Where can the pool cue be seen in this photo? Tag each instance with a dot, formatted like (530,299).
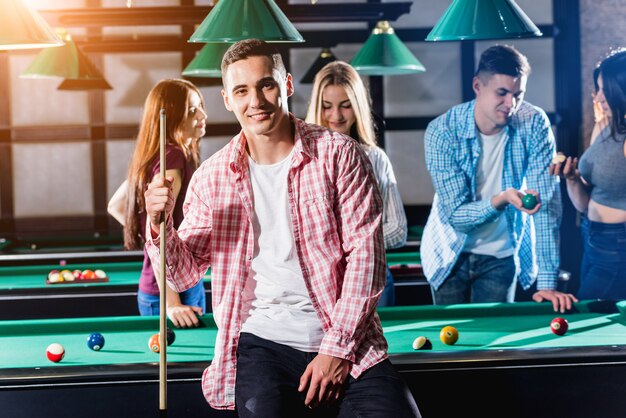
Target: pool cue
(163,287)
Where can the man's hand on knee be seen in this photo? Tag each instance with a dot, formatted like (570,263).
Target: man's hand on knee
(325,376)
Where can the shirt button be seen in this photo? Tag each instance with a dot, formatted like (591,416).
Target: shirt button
(249,258)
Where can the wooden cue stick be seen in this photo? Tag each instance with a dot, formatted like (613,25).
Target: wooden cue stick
(163,285)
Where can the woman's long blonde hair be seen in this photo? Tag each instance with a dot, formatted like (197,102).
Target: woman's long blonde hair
(173,96)
(339,73)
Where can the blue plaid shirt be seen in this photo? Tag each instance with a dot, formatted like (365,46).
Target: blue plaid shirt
(452,151)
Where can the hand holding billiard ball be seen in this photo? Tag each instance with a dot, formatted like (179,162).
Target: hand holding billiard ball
(559,326)
(529,201)
(95,341)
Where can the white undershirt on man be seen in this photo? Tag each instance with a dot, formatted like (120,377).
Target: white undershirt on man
(492,238)
(276,303)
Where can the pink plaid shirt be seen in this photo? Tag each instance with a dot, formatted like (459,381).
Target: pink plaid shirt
(336,211)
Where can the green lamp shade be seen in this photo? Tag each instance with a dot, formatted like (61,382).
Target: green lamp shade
(66,62)
(483,19)
(208,62)
(78,85)
(384,54)
(325,57)
(235,20)
(22,27)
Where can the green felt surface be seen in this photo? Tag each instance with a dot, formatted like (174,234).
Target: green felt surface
(409,258)
(480,326)
(30,277)
(126,341)
(119,273)
(500,326)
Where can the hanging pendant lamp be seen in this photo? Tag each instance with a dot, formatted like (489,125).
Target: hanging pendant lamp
(21,27)
(483,19)
(208,62)
(66,62)
(325,57)
(235,20)
(384,54)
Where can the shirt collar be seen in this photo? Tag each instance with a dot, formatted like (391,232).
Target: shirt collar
(469,129)
(238,160)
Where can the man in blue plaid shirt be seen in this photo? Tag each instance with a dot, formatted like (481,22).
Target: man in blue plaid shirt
(481,155)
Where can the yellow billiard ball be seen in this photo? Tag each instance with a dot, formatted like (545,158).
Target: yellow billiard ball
(449,335)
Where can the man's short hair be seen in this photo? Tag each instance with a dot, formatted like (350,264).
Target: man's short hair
(503,59)
(252,48)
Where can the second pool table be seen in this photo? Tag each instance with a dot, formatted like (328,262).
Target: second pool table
(24,293)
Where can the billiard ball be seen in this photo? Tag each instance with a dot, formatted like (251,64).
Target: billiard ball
(449,335)
(67,275)
(55,352)
(154,343)
(171,337)
(88,274)
(77,274)
(54,276)
(422,343)
(95,341)
(529,201)
(100,274)
(559,326)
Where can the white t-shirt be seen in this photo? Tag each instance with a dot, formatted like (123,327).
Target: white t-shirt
(276,303)
(492,238)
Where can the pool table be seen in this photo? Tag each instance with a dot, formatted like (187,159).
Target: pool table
(507,363)
(24,293)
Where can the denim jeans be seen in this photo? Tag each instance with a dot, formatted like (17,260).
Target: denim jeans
(149,305)
(478,278)
(603,270)
(388,297)
(268,375)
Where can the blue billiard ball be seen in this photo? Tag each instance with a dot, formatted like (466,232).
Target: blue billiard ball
(95,341)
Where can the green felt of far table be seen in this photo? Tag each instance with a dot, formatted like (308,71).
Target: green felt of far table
(24,293)
(32,277)
(119,273)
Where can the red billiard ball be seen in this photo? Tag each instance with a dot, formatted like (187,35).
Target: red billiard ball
(55,352)
(559,326)
(154,343)
(449,335)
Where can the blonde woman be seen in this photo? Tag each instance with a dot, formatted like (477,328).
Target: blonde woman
(340,102)
(184,109)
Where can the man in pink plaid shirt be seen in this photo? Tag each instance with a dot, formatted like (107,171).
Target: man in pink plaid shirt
(289,218)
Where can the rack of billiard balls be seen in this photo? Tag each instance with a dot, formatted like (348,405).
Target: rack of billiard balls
(67,276)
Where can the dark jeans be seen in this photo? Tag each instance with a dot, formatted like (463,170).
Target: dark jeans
(478,278)
(149,305)
(268,375)
(388,297)
(603,270)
